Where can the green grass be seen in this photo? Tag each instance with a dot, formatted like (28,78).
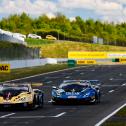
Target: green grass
(11,51)
(115,124)
(120,119)
(60,49)
(31,41)
(122,112)
(24,72)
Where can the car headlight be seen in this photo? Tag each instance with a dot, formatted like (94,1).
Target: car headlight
(59,92)
(23,98)
(87,94)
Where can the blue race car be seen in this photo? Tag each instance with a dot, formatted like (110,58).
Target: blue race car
(75,91)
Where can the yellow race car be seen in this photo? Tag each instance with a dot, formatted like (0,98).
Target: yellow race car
(22,95)
(50,37)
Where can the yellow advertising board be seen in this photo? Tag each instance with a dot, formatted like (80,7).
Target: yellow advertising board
(95,55)
(86,62)
(81,55)
(4,68)
(123,60)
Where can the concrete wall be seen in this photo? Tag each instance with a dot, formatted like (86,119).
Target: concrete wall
(40,62)
(29,63)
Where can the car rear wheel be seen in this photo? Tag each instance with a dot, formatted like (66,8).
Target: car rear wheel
(41,102)
(54,102)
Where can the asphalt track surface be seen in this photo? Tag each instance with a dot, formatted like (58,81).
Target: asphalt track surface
(113,90)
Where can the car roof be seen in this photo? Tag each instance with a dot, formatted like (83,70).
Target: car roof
(75,83)
(81,81)
(94,81)
(49,35)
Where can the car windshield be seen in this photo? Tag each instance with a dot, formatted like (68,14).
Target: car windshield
(13,90)
(75,87)
(76,81)
(94,82)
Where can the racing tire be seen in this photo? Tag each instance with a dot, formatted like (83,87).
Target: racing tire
(41,102)
(97,99)
(33,105)
(54,102)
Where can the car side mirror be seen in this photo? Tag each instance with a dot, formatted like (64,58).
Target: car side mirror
(54,87)
(37,90)
(97,88)
(99,84)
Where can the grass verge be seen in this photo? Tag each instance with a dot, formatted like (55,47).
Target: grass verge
(24,72)
(60,49)
(118,119)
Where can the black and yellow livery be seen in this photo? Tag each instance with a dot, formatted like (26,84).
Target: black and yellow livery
(20,95)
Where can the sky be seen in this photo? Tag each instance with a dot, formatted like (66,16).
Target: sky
(104,10)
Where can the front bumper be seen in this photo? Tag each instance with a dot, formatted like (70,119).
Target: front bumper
(73,100)
(16,105)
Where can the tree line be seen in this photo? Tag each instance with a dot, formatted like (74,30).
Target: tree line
(64,29)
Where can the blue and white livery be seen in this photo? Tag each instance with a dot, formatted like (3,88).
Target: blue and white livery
(75,91)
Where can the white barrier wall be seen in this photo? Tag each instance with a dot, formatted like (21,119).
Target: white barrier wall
(51,61)
(12,37)
(29,63)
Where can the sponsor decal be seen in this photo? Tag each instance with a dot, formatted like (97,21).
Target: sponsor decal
(86,61)
(80,55)
(4,68)
(123,60)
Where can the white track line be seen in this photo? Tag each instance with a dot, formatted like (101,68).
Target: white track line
(59,115)
(93,70)
(52,77)
(68,77)
(81,73)
(4,116)
(46,73)
(116,79)
(33,117)
(111,91)
(110,115)
(123,84)
(48,82)
(26,117)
